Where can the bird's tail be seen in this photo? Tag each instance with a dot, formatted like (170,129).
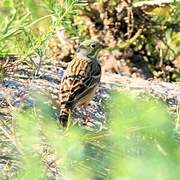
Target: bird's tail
(63,116)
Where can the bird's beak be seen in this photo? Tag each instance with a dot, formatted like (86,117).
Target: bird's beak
(78,50)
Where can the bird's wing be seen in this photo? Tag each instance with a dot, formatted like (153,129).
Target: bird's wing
(81,75)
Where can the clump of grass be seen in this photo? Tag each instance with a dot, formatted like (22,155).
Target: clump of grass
(138,144)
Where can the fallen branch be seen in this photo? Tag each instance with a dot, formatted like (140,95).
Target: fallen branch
(168,92)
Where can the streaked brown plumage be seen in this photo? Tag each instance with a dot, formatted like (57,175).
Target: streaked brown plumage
(80,79)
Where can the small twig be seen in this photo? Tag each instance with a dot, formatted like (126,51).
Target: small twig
(130,41)
(178,117)
(130,16)
(38,20)
(40,62)
(154,3)
(161,57)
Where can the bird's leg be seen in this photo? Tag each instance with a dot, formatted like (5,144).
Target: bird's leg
(90,124)
(87,121)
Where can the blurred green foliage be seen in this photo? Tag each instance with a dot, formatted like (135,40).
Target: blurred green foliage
(138,144)
(142,133)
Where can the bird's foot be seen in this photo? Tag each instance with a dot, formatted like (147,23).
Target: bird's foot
(91,125)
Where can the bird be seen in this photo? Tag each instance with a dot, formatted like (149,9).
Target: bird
(80,79)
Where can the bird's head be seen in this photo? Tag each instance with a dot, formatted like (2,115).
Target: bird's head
(90,48)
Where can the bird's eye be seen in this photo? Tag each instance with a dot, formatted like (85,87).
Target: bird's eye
(93,45)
